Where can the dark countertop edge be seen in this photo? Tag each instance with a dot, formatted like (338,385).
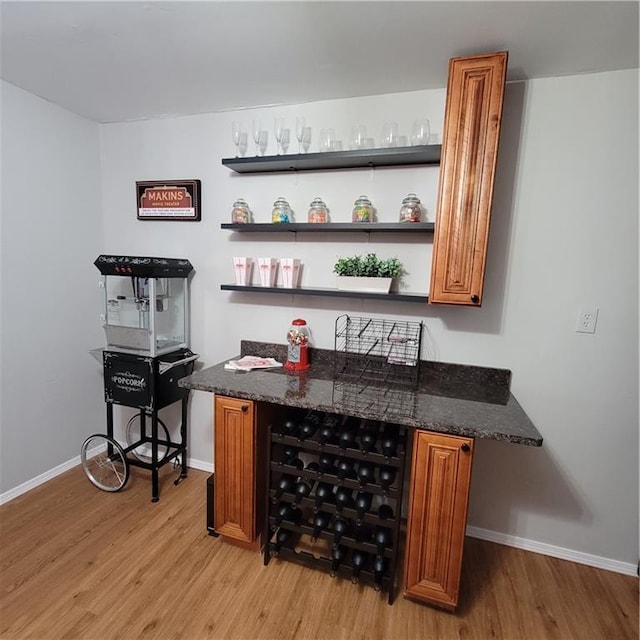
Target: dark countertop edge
(424,425)
(447,429)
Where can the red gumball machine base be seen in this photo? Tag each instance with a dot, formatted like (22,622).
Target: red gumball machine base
(298,351)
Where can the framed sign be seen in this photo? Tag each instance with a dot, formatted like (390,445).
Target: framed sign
(168,200)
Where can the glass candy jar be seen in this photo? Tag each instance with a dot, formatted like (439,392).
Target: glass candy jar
(362,210)
(410,211)
(318,211)
(281,211)
(240,214)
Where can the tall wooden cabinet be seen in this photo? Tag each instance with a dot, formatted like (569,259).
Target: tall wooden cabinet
(438,499)
(473,114)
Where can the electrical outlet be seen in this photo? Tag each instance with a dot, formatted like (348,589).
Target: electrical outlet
(586,320)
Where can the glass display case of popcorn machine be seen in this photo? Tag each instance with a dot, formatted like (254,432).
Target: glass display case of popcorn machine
(146,308)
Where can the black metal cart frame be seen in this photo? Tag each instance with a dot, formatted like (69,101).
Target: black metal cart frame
(149,384)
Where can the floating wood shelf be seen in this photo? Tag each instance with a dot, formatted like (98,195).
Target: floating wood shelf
(329,293)
(354,159)
(351,227)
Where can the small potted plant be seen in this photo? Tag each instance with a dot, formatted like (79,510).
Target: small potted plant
(368,273)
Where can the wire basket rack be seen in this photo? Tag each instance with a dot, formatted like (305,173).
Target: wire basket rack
(380,351)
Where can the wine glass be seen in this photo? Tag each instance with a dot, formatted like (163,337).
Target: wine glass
(256,128)
(300,127)
(284,140)
(421,132)
(263,141)
(306,138)
(236,135)
(278,128)
(243,143)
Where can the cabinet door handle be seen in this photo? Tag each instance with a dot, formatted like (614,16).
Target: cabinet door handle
(475,299)
(465,447)
(244,408)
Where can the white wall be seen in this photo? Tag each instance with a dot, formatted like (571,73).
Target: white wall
(564,233)
(51,390)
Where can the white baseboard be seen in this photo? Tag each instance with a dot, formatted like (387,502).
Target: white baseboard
(65,466)
(525,544)
(545,549)
(199,465)
(38,480)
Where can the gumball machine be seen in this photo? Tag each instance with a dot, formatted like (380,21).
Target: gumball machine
(298,337)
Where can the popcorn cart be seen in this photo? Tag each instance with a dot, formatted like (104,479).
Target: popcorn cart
(146,324)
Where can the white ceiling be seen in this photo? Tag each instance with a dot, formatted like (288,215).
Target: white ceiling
(117,61)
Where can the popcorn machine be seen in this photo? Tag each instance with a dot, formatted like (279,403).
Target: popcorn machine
(146,324)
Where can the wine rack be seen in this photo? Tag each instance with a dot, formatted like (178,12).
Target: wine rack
(334,496)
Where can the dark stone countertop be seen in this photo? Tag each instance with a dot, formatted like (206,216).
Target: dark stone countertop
(450,398)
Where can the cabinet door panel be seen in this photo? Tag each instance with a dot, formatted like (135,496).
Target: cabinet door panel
(439,490)
(469,152)
(235,476)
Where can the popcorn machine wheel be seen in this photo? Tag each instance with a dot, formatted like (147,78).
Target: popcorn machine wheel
(146,324)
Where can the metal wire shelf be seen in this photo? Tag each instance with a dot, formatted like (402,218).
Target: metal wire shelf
(379,351)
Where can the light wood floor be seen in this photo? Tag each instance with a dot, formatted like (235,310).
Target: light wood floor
(76,562)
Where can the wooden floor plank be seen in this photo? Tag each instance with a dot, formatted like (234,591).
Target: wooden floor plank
(76,562)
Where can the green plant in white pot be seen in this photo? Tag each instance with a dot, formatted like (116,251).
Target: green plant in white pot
(368,273)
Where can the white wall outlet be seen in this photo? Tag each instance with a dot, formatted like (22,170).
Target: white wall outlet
(586,320)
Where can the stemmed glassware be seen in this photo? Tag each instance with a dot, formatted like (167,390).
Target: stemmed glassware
(256,128)
(300,127)
(278,129)
(236,135)
(421,132)
(284,141)
(260,137)
(263,141)
(306,138)
(281,135)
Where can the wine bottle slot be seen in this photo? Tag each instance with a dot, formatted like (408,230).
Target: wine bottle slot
(306,430)
(302,489)
(379,570)
(323,493)
(337,556)
(363,504)
(340,528)
(358,562)
(365,473)
(327,463)
(386,477)
(320,523)
(282,538)
(286,484)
